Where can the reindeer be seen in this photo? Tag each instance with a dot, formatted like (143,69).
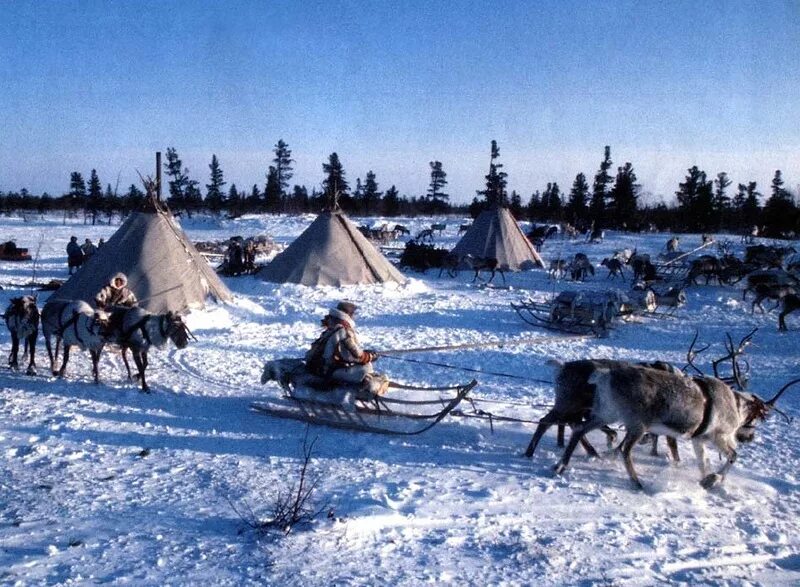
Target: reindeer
(479,264)
(764,291)
(74,323)
(440,228)
(614,267)
(703,409)
(137,329)
(643,269)
(581,267)
(771,278)
(464,228)
(401,230)
(673,244)
(791,303)
(424,235)
(706,265)
(22,319)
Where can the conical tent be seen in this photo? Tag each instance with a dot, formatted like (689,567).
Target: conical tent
(331,251)
(496,235)
(163,267)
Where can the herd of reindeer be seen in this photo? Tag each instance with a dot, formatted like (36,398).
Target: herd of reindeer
(649,399)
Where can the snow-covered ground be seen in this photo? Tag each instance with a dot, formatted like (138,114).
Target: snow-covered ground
(104,484)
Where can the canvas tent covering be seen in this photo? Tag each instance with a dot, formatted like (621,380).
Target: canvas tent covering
(164,269)
(331,251)
(496,235)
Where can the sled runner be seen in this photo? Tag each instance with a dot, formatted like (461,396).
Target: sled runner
(311,399)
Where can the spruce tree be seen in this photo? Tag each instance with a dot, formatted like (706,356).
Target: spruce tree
(437,199)
(779,213)
(391,202)
(600,189)
(722,202)
(272,192)
(625,196)
(495,192)
(371,197)
(94,204)
(576,208)
(283,165)
(515,205)
(178,182)
(335,185)
(214,194)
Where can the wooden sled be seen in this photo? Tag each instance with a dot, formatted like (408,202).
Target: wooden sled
(573,312)
(11,252)
(311,399)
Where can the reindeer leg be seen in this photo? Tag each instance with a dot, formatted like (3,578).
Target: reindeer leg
(95,360)
(63,369)
(700,453)
(560,439)
(654,446)
(590,450)
(631,438)
(503,275)
(32,363)
(549,419)
(673,448)
(140,365)
(577,433)
(12,358)
(124,354)
(726,447)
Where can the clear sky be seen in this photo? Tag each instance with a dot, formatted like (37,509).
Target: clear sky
(392,85)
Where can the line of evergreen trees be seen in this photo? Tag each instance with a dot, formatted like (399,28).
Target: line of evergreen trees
(611,201)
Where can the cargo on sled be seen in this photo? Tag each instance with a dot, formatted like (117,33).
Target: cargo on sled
(376,408)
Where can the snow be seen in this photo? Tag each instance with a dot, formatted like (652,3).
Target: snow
(104,484)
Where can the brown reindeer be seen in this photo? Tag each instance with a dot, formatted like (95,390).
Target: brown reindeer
(22,319)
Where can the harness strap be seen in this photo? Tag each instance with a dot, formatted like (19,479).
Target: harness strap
(709,404)
(62,326)
(140,325)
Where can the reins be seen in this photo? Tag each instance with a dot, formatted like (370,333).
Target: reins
(468,369)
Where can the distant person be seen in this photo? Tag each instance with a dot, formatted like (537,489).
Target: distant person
(88,249)
(101,242)
(74,254)
(116,293)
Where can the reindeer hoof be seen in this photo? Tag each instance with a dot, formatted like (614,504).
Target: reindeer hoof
(559,468)
(710,481)
(31,371)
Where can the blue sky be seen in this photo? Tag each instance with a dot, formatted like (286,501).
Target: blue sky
(391,86)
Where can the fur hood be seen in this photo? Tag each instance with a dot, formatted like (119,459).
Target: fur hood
(121,276)
(342,317)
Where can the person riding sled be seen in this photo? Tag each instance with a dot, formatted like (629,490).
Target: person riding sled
(337,356)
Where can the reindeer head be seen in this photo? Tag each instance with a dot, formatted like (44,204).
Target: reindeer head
(176,329)
(753,409)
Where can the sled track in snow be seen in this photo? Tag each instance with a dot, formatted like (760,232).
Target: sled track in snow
(185,362)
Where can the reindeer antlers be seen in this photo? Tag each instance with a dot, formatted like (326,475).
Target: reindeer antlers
(733,354)
(691,354)
(739,373)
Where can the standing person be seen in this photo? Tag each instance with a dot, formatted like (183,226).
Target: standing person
(101,242)
(74,254)
(116,293)
(88,249)
(337,355)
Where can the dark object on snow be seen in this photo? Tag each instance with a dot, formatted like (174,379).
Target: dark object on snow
(9,251)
